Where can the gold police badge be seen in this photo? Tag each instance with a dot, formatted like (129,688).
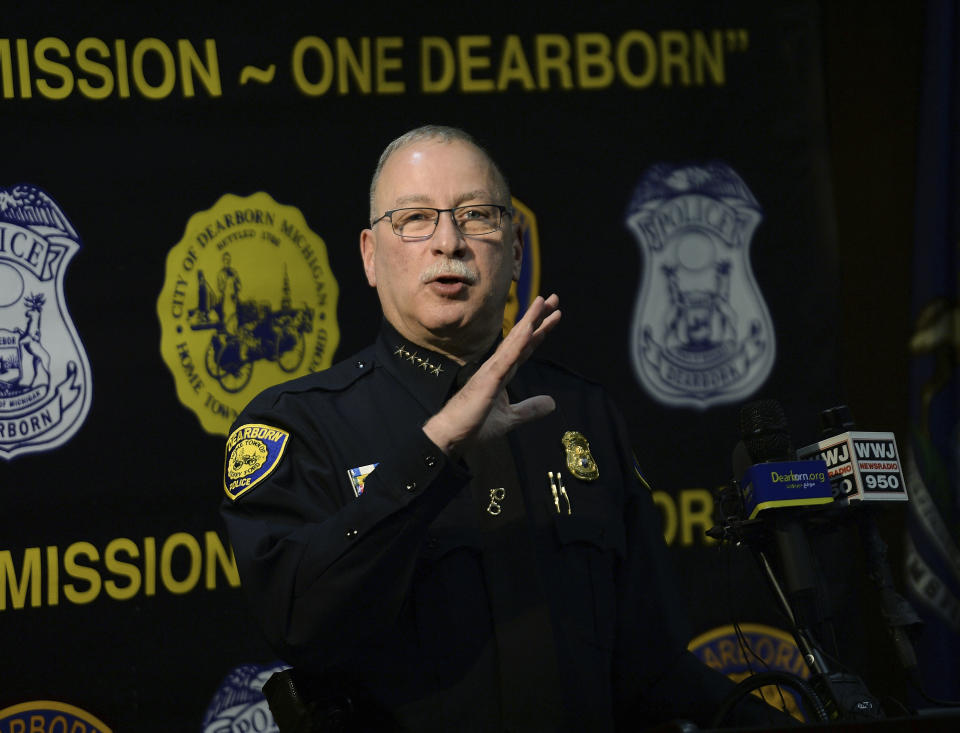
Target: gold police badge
(580,461)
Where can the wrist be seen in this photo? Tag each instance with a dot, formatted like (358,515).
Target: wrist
(439,433)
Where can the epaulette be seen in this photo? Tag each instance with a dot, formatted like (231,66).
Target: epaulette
(638,473)
(335,378)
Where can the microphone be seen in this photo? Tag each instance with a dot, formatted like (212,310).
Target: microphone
(865,468)
(774,483)
(766,465)
(776,487)
(863,465)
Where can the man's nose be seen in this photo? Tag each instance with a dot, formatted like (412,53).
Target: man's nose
(447,238)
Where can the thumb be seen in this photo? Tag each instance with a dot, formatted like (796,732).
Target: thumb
(532,408)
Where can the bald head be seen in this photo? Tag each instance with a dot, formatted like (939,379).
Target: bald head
(442,134)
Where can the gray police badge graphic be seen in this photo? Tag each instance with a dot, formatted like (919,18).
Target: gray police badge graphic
(45,383)
(701,332)
(239,704)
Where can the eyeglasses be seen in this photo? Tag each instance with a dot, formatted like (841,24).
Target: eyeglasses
(421,222)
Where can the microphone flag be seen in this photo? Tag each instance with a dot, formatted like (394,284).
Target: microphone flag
(863,466)
(779,484)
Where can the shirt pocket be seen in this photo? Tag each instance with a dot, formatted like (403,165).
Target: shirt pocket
(590,549)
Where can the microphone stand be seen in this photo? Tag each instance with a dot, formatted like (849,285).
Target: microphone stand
(842,696)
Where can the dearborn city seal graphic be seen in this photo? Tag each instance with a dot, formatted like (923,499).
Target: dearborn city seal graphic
(45,383)
(701,332)
(741,651)
(49,715)
(248,301)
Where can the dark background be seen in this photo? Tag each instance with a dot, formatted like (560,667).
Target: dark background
(819,118)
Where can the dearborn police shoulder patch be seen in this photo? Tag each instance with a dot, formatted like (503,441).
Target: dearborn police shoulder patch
(252,452)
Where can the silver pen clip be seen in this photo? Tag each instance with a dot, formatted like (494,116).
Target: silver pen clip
(553,489)
(563,493)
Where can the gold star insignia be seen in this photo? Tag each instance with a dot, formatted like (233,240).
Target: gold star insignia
(401,352)
(412,357)
(426,365)
(437,370)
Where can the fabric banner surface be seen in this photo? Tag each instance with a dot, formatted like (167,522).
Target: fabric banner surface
(211,166)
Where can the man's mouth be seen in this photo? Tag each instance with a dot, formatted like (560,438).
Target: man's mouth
(448,279)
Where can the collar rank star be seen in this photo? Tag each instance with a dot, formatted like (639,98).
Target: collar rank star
(580,461)
(414,358)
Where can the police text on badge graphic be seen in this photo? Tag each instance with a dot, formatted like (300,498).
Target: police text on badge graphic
(45,383)
(701,332)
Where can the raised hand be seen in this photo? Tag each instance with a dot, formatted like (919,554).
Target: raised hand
(481,409)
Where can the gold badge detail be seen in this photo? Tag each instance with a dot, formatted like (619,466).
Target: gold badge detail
(579,459)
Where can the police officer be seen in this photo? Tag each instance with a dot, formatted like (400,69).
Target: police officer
(441,533)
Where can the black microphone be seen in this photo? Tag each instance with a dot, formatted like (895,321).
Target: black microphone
(865,468)
(766,445)
(766,465)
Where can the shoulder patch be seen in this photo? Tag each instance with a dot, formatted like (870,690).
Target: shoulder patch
(252,452)
(639,473)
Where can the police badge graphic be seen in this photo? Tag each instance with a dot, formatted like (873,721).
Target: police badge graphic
(701,334)
(45,383)
(249,300)
(239,704)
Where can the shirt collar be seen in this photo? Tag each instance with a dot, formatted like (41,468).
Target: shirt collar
(427,375)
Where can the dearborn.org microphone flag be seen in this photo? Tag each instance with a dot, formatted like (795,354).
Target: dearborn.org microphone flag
(931,470)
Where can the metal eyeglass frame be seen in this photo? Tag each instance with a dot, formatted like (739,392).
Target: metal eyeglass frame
(436,222)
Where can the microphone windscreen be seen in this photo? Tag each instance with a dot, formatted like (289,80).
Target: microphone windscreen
(763,428)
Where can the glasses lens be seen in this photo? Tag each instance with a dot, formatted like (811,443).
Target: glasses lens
(477,219)
(414,222)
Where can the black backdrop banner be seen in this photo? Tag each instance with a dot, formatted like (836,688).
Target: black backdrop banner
(180,205)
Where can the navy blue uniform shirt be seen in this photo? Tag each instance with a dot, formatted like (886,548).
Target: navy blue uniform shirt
(418,596)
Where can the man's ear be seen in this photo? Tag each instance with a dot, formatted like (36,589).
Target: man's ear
(368,255)
(517,251)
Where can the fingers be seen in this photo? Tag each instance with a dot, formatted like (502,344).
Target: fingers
(541,317)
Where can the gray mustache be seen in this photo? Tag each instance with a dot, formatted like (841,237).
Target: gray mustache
(457,268)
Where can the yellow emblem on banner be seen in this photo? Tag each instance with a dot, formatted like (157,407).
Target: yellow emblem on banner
(25,716)
(580,461)
(248,301)
(524,289)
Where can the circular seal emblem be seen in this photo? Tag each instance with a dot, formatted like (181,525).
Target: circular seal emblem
(525,289)
(49,715)
(738,654)
(248,301)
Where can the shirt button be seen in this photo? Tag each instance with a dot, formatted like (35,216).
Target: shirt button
(430,461)
(432,543)
(412,486)
(361,364)
(351,533)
